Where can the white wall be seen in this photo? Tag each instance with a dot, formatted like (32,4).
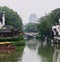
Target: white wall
(57,27)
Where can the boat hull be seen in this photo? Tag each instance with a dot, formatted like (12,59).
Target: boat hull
(8,48)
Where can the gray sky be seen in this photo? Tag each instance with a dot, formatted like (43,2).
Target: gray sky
(27,7)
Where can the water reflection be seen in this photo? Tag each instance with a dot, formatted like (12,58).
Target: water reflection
(46,53)
(49,53)
(56,54)
(32,44)
(32,52)
(30,55)
(11,56)
(38,52)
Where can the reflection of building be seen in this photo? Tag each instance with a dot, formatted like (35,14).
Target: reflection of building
(56,55)
(6,30)
(33,18)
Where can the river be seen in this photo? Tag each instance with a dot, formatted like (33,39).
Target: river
(32,52)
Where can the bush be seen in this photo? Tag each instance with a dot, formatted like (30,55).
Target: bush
(18,43)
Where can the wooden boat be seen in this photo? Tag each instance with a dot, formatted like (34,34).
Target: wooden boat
(6,46)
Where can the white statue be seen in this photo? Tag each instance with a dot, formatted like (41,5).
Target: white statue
(2,19)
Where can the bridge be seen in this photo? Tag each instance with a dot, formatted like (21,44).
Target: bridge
(31,34)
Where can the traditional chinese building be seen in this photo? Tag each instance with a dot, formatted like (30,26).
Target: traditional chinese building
(56,31)
(7,30)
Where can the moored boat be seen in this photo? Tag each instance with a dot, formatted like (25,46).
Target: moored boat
(6,46)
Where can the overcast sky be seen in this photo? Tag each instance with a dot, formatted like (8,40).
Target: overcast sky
(27,7)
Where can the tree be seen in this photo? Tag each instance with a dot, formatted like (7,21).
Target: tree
(46,22)
(31,27)
(12,18)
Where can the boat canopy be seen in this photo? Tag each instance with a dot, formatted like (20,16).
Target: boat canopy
(5,42)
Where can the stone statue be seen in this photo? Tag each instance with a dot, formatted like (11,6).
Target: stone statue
(2,19)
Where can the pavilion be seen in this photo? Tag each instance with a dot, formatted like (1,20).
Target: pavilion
(7,30)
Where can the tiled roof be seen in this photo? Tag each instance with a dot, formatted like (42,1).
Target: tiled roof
(4,30)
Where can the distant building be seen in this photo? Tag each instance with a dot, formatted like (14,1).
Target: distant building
(33,18)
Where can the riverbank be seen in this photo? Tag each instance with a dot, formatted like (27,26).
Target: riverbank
(18,43)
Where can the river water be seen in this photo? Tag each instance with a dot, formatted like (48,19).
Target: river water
(32,52)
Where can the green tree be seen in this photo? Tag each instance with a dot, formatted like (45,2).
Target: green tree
(12,17)
(46,22)
(31,27)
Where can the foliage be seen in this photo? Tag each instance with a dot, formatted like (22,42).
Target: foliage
(18,43)
(31,27)
(12,18)
(21,37)
(46,22)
